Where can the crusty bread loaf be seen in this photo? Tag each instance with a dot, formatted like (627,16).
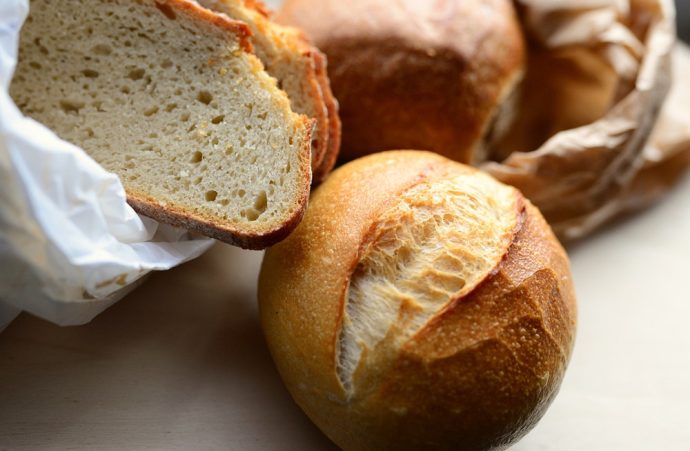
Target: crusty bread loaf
(416,75)
(168,95)
(419,305)
(298,66)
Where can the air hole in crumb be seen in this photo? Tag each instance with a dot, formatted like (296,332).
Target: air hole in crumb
(215,141)
(184,117)
(35,65)
(291,140)
(170,107)
(101,49)
(261,202)
(252,214)
(167,64)
(40,46)
(211,196)
(125,90)
(198,180)
(225,202)
(204,97)
(136,74)
(71,106)
(150,111)
(166,10)
(218,119)
(241,193)
(229,150)
(197,157)
(262,116)
(88,73)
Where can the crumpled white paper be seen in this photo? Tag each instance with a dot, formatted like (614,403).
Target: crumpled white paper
(70,245)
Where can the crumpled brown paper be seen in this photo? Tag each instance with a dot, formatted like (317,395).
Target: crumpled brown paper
(597,78)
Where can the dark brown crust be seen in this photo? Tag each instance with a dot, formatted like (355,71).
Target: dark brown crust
(334,123)
(191,8)
(237,236)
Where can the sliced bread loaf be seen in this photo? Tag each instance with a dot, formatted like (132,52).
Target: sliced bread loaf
(168,95)
(300,69)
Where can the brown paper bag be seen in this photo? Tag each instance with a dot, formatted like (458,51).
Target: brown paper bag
(597,78)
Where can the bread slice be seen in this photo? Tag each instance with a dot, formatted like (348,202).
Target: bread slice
(299,68)
(168,95)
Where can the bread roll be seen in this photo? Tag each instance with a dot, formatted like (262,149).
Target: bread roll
(416,74)
(420,305)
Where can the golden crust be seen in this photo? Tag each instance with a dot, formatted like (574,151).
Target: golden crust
(423,75)
(478,375)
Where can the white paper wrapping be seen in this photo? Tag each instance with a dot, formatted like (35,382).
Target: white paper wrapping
(70,245)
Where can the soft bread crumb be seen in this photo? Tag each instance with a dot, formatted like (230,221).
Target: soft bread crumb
(437,243)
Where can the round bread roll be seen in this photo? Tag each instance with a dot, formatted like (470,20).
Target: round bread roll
(416,74)
(419,305)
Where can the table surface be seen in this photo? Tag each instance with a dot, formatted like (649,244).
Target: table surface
(181,363)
